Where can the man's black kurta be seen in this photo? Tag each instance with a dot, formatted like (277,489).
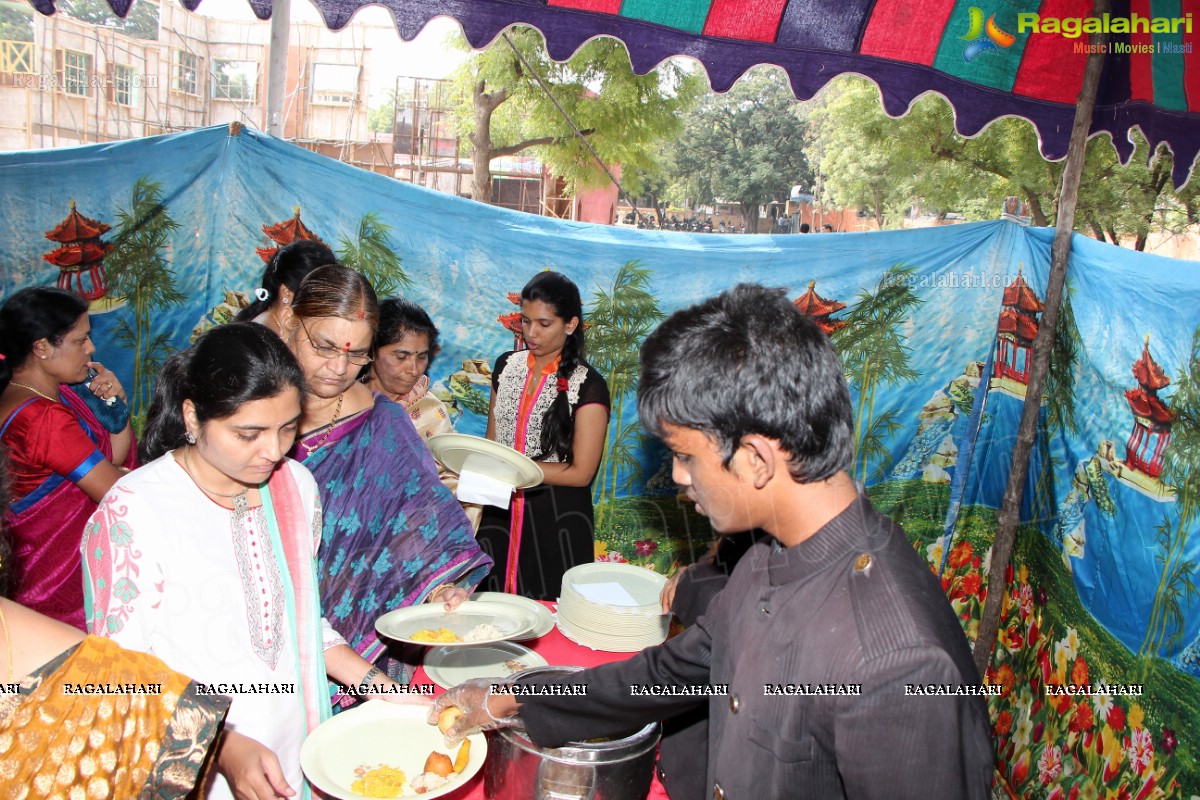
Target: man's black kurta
(851,609)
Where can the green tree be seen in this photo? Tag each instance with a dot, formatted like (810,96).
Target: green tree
(16,22)
(373,253)
(504,111)
(745,146)
(874,352)
(382,117)
(1176,586)
(866,159)
(139,272)
(619,322)
(845,128)
(140,23)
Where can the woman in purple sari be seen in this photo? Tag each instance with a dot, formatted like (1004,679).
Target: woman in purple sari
(61,457)
(393,535)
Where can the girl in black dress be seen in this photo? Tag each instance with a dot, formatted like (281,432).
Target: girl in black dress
(551,405)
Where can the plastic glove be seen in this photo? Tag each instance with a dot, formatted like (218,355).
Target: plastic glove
(471,697)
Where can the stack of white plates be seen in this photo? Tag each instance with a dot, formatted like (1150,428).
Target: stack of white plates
(612,607)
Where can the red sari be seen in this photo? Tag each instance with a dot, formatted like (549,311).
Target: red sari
(51,446)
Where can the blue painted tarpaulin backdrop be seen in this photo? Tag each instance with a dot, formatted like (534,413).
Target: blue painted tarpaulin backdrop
(933,328)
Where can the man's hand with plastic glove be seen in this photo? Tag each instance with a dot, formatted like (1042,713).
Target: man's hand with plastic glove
(484,706)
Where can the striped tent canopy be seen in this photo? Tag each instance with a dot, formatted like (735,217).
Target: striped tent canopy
(988,58)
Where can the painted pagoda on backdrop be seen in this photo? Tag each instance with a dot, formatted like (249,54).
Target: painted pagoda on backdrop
(1016,330)
(811,304)
(284,233)
(80,256)
(1142,467)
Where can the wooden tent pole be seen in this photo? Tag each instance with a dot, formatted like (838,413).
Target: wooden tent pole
(281,20)
(1064,227)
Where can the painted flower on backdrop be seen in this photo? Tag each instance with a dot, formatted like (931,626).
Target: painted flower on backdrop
(1005,678)
(1061,662)
(1071,643)
(1025,600)
(1115,717)
(645,547)
(1079,672)
(1136,716)
(1082,720)
(1022,733)
(1050,765)
(961,554)
(1140,750)
(1169,742)
(934,553)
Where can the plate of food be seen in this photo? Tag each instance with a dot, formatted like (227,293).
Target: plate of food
(450,666)
(382,749)
(545,616)
(495,460)
(475,622)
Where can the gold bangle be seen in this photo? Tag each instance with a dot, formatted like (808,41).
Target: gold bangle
(433,594)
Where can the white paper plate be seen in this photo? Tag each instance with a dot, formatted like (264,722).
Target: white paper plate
(641,585)
(450,666)
(378,732)
(545,615)
(512,621)
(498,461)
(607,644)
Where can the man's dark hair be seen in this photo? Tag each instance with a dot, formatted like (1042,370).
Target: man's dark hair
(804,227)
(747,362)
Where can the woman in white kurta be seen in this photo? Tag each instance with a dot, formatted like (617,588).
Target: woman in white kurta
(204,557)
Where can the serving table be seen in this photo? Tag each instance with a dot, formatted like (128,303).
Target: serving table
(559,651)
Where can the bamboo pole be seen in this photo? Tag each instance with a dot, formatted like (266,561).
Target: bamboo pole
(1064,225)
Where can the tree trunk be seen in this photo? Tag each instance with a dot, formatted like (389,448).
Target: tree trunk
(1035,207)
(1097,231)
(481,141)
(878,206)
(750,216)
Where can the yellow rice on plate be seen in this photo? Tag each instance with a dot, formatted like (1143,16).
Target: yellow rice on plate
(439,635)
(381,781)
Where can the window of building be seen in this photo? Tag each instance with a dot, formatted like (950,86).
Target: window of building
(334,84)
(235,80)
(121,86)
(187,73)
(76,67)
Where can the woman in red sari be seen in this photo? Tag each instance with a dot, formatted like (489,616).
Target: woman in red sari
(61,458)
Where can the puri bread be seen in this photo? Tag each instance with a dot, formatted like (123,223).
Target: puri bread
(448,717)
(439,764)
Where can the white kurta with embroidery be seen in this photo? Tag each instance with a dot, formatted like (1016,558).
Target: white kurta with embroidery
(208,598)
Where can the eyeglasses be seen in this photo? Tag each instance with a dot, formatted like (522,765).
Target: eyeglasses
(330,353)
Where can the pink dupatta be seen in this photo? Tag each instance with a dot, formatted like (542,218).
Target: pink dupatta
(299,541)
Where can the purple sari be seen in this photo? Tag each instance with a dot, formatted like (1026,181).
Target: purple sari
(392,531)
(47,525)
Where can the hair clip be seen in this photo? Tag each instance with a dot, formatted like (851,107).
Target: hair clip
(262,294)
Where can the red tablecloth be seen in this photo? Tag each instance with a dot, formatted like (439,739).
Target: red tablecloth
(559,651)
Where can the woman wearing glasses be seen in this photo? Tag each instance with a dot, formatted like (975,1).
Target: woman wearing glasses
(393,533)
